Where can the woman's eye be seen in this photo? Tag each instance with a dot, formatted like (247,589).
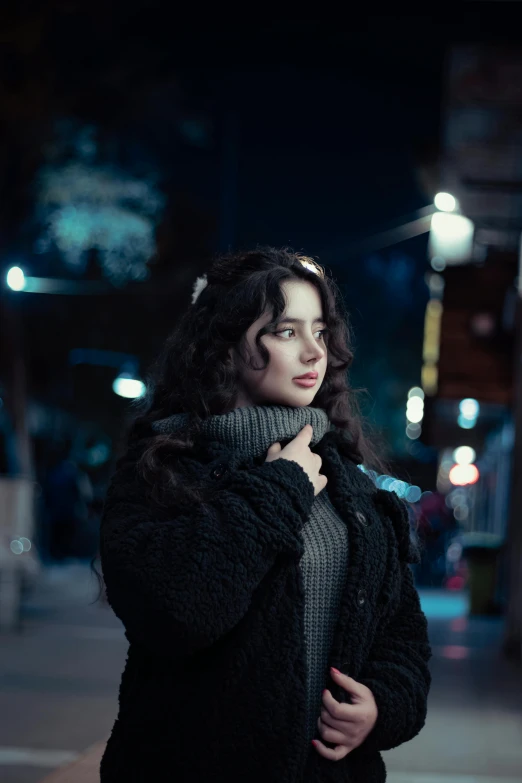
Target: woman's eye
(322,332)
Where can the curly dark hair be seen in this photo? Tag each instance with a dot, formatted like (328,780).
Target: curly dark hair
(195,373)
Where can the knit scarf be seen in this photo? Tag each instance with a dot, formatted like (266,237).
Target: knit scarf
(253,429)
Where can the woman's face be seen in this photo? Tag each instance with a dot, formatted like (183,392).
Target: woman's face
(297,348)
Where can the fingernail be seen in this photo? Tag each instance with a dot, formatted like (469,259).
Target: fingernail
(314,743)
(335,671)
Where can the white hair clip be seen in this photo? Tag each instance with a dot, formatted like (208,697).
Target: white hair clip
(199,285)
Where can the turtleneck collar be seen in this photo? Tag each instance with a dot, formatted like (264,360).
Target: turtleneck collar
(254,428)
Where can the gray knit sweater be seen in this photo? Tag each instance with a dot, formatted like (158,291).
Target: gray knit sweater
(252,430)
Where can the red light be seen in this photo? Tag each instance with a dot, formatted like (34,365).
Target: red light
(460,475)
(455,583)
(455,652)
(459,624)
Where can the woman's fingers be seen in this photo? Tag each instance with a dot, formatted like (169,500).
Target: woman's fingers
(330,735)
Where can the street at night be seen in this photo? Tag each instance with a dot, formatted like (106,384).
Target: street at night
(260,396)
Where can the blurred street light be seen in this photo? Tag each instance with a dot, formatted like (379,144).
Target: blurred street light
(470,408)
(125,385)
(453,232)
(445,202)
(461,475)
(15,279)
(464,455)
(451,237)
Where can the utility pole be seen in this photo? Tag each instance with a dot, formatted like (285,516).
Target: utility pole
(16,490)
(11,346)
(513,627)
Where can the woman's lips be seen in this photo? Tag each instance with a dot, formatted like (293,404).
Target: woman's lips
(306,382)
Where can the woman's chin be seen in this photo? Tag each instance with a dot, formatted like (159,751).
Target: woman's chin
(293,400)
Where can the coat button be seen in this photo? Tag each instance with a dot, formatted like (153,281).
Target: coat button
(219,471)
(361,518)
(361,597)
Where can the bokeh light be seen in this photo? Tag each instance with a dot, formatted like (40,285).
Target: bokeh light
(16,279)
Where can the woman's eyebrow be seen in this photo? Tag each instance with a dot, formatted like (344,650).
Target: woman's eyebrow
(300,320)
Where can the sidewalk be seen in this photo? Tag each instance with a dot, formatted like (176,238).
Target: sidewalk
(59,678)
(85,769)
(473,732)
(59,681)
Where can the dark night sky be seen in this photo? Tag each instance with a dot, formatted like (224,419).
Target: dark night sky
(331,117)
(328,124)
(330,114)
(328,160)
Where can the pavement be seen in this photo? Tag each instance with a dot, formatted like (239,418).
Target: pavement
(59,678)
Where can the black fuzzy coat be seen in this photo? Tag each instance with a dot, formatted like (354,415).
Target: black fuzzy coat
(211,597)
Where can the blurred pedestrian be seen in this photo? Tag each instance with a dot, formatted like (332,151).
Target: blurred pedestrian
(67,493)
(263,580)
(436,528)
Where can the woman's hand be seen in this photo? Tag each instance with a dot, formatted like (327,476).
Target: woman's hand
(298,450)
(346,725)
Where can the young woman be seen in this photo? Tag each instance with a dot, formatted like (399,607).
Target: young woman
(263,580)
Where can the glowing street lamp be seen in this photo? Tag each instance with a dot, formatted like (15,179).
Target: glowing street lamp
(445,202)
(15,279)
(126,385)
